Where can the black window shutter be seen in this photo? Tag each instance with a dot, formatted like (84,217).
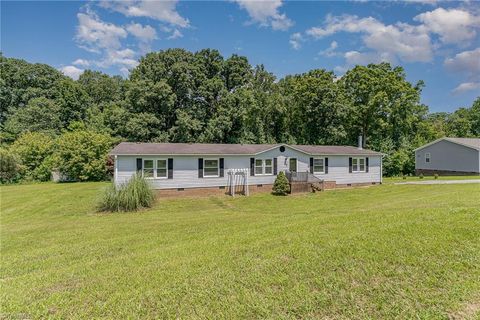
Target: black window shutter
(325,164)
(200,167)
(350,168)
(311,165)
(170,168)
(366,164)
(221,167)
(252,166)
(275,166)
(139,164)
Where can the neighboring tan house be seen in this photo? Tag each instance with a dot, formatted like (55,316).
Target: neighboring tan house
(454,156)
(229,168)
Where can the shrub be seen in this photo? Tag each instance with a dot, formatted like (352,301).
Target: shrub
(131,196)
(404,177)
(82,155)
(435,175)
(10,168)
(421,176)
(281,186)
(33,150)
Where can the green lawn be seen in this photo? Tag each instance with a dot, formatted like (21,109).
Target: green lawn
(389,251)
(390,180)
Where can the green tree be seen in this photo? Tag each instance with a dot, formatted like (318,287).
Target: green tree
(101,88)
(34,150)
(383,103)
(82,155)
(40,114)
(10,167)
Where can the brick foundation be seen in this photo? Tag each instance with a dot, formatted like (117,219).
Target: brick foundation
(211,191)
(217,191)
(430,172)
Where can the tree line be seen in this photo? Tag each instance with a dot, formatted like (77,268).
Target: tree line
(49,121)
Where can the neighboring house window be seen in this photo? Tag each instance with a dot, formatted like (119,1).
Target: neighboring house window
(155,169)
(318,165)
(210,168)
(358,164)
(263,166)
(161,168)
(427,157)
(148,171)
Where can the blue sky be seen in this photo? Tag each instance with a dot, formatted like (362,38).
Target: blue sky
(438,42)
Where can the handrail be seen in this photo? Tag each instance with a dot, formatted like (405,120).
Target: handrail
(302,177)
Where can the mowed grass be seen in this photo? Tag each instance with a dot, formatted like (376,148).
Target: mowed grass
(388,251)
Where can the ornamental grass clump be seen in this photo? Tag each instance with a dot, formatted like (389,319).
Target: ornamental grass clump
(131,196)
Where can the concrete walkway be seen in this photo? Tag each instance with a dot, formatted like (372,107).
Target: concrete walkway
(441,181)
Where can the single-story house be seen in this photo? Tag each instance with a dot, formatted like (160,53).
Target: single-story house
(223,168)
(449,156)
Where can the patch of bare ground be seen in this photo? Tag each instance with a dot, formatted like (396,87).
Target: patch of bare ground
(468,310)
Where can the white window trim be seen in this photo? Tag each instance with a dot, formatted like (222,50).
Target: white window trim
(218,168)
(356,169)
(263,167)
(154,168)
(319,172)
(429,157)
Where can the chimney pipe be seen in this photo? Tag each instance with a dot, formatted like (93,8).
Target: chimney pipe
(360,142)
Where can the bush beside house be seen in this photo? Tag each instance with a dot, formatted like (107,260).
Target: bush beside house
(281,186)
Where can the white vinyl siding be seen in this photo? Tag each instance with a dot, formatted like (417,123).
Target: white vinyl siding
(185,169)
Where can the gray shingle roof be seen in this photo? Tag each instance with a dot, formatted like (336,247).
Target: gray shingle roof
(469,142)
(133,148)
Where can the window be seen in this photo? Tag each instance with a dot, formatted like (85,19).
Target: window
(318,165)
(161,168)
(210,168)
(155,169)
(263,167)
(358,164)
(258,166)
(427,157)
(148,169)
(268,166)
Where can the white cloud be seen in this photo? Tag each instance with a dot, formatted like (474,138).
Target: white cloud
(296,40)
(175,35)
(403,41)
(465,62)
(330,51)
(72,72)
(95,35)
(164,11)
(143,33)
(452,25)
(354,57)
(266,13)
(81,62)
(467,86)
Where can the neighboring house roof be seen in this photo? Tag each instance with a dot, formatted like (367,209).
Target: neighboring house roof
(133,148)
(473,143)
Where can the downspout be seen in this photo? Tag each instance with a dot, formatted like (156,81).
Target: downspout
(115,174)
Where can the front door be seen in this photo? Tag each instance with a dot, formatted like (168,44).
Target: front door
(292,165)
